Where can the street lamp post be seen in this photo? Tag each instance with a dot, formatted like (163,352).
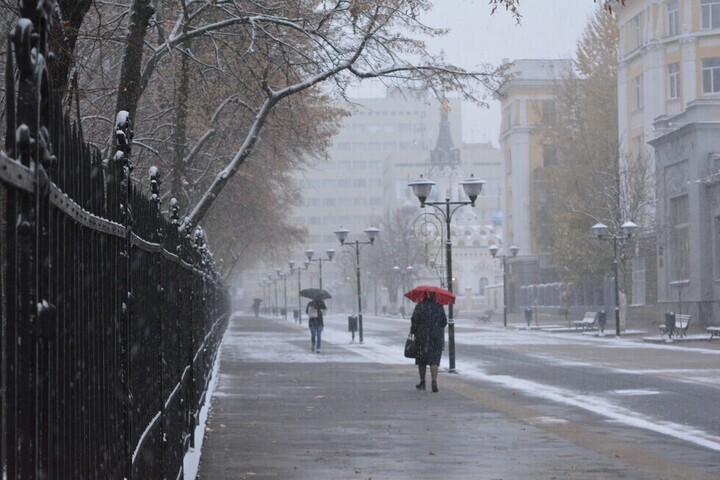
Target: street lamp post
(330,254)
(422,187)
(291,264)
(274,280)
(266,293)
(372,233)
(627,230)
(514,249)
(403,275)
(284,276)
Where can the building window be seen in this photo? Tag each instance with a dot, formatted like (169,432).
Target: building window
(374,164)
(680,239)
(636,24)
(710,14)
(638,280)
(548,112)
(637,87)
(673,18)
(359,183)
(549,156)
(674,80)
(711,75)
(483,285)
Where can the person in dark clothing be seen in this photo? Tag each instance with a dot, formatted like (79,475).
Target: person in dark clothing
(315,311)
(428,326)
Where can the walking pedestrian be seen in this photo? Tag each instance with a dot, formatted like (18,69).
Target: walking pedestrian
(428,324)
(315,310)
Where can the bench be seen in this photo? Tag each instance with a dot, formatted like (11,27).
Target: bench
(682,322)
(714,332)
(486,315)
(588,322)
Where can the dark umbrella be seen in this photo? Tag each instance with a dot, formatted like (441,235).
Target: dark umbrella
(257,300)
(315,293)
(442,296)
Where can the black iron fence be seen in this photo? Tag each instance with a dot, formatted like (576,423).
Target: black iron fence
(111,317)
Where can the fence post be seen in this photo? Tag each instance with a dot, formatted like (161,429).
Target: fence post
(158,309)
(122,169)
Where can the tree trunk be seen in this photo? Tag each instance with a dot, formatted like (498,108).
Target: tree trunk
(130,88)
(178,172)
(63,41)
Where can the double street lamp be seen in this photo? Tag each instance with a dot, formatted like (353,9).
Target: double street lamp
(627,230)
(422,188)
(309,254)
(284,278)
(514,249)
(371,234)
(274,282)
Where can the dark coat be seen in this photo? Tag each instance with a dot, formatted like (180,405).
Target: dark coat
(315,321)
(428,323)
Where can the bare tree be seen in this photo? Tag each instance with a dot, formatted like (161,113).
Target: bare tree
(397,246)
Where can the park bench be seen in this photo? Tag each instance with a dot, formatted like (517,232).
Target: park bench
(589,321)
(486,315)
(714,332)
(679,328)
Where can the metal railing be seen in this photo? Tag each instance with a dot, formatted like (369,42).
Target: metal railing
(111,317)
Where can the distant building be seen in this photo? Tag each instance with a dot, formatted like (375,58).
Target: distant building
(527,101)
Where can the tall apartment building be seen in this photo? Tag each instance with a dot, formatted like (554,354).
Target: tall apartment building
(528,99)
(669,98)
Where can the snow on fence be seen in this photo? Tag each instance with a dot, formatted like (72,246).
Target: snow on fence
(111,317)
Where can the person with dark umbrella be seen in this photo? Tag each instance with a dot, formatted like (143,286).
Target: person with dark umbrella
(315,310)
(427,325)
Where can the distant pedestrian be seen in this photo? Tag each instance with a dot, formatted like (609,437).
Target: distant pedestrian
(565,302)
(315,310)
(256,307)
(428,324)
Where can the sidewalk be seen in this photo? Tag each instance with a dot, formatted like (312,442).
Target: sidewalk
(282,412)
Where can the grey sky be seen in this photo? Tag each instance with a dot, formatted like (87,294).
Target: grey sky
(548,29)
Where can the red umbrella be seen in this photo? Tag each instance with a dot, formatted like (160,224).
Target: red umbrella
(442,296)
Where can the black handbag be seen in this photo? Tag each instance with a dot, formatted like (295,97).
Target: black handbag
(410,346)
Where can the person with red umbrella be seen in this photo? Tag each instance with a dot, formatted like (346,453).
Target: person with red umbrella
(428,324)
